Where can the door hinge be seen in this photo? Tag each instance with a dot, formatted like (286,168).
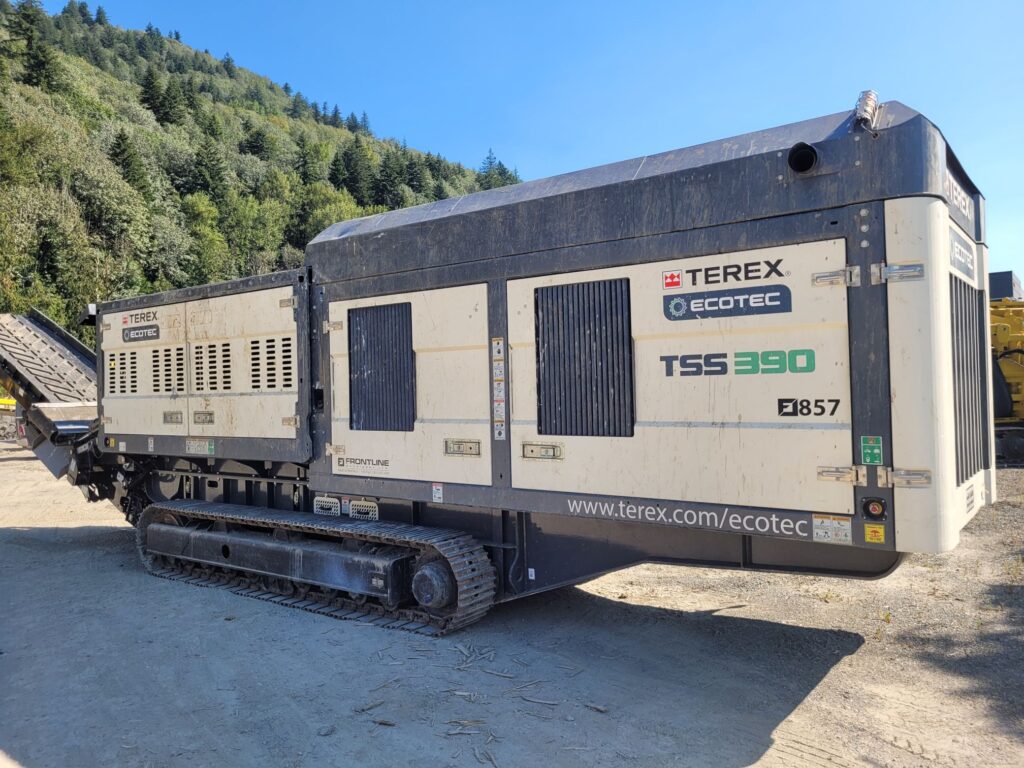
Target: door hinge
(856,475)
(290,421)
(849,276)
(904,478)
(895,273)
(283,303)
(329,326)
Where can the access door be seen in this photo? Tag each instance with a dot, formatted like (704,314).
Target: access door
(410,377)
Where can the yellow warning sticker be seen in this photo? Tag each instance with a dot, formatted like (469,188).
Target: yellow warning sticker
(874,533)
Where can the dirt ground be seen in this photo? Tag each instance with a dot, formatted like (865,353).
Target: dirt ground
(101,664)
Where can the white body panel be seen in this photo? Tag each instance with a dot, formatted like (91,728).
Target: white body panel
(143,404)
(256,334)
(710,438)
(221,367)
(928,518)
(450,342)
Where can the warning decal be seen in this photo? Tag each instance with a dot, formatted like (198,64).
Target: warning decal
(874,533)
(833,529)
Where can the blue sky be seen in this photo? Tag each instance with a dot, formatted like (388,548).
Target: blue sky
(559,86)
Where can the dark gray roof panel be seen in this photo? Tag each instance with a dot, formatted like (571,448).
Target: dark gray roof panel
(737,179)
(773,139)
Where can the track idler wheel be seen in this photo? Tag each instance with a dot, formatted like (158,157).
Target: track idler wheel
(433,585)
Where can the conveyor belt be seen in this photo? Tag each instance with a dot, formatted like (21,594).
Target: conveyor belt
(41,362)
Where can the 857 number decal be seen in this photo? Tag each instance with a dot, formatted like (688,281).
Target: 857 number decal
(791,406)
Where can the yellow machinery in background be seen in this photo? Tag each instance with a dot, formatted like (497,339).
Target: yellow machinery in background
(1007,329)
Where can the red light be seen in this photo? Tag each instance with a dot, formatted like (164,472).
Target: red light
(874,507)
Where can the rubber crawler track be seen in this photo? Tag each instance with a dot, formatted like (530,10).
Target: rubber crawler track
(474,573)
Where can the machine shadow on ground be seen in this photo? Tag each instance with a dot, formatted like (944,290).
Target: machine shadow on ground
(717,684)
(991,668)
(680,687)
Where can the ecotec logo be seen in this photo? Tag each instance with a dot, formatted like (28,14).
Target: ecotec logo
(961,254)
(707,305)
(134,318)
(723,273)
(140,333)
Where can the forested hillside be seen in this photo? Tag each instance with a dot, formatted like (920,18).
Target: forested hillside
(131,163)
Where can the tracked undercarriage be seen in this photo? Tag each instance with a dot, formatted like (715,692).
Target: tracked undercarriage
(429,581)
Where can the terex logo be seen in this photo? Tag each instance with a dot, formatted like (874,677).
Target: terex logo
(958,197)
(133,318)
(732,273)
(672,279)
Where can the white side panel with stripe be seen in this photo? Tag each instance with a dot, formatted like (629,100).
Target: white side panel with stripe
(710,426)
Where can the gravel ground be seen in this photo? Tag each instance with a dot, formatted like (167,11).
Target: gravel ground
(101,664)
(7,429)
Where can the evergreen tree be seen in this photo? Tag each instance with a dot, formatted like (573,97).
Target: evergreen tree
(256,141)
(177,36)
(387,186)
(358,171)
(173,109)
(352,122)
(229,66)
(152,90)
(83,14)
(364,124)
(335,119)
(337,172)
(493,173)
(26,23)
(417,174)
(210,171)
(210,124)
(299,107)
(191,93)
(42,69)
(314,160)
(315,108)
(101,17)
(489,164)
(287,88)
(126,157)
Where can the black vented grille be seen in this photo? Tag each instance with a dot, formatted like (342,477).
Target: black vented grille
(970,379)
(168,371)
(382,368)
(122,373)
(584,359)
(211,367)
(272,363)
